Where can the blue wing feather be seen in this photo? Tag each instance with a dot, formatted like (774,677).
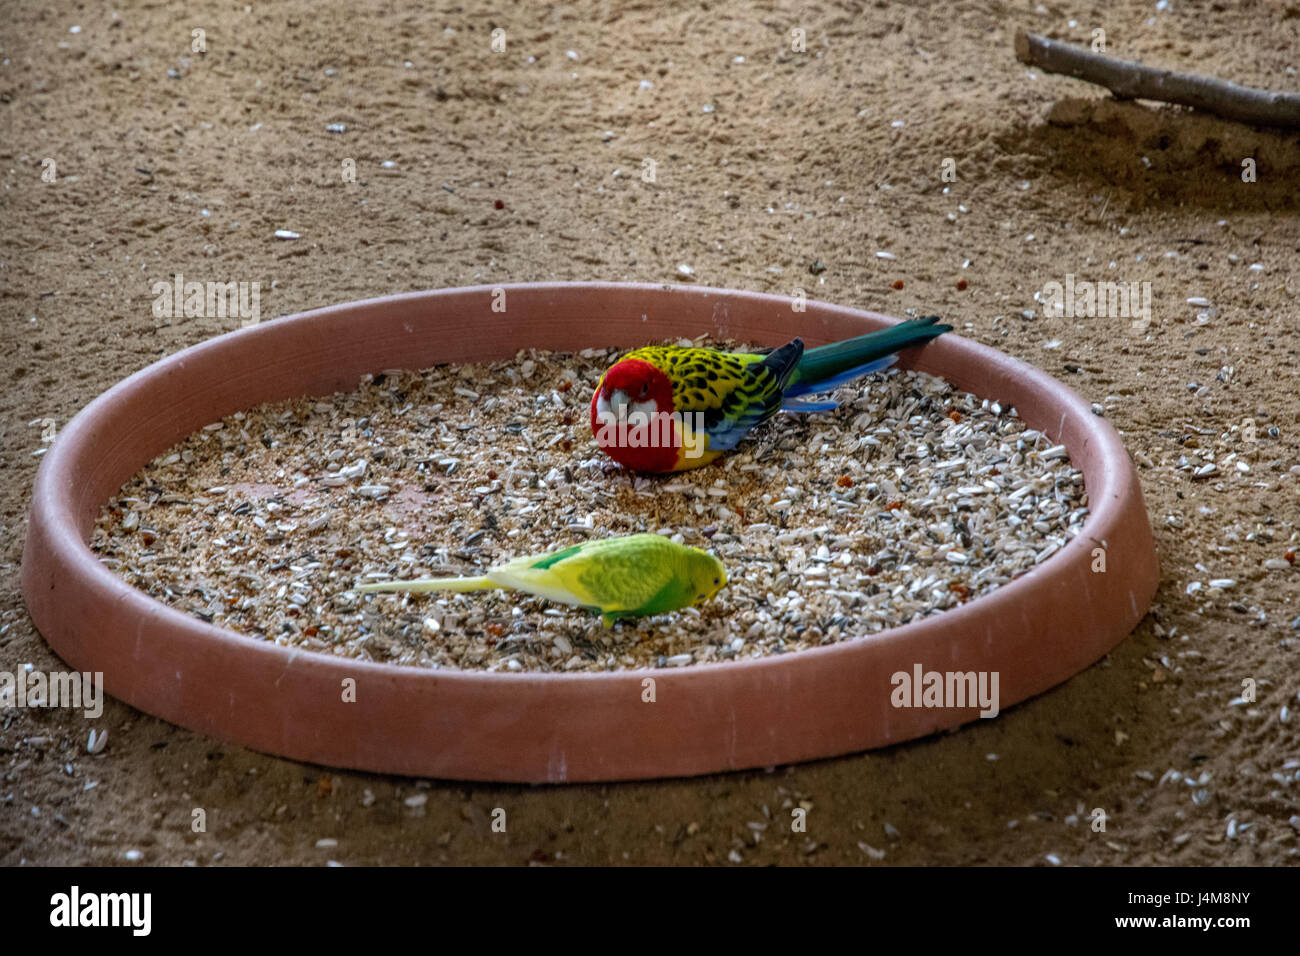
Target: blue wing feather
(834,382)
(726,434)
(794,405)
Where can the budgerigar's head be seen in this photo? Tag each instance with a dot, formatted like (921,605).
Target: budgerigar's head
(630,416)
(707,575)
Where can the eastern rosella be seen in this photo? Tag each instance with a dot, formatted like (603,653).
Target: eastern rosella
(669,408)
(633,576)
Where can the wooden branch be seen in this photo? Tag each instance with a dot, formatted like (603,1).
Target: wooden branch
(1129,80)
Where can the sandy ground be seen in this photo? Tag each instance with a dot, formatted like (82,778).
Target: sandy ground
(167,160)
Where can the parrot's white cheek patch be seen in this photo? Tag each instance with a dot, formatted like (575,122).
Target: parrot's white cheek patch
(625,424)
(622,406)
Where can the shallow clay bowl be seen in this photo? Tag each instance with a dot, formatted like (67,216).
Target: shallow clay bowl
(1035,631)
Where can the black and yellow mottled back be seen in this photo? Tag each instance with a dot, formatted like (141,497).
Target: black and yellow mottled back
(734,391)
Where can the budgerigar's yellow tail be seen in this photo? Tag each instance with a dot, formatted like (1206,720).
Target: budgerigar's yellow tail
(433,584)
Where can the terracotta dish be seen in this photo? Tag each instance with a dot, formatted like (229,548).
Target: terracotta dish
(1035,632)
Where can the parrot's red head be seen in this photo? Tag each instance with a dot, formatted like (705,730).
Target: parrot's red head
(630,416)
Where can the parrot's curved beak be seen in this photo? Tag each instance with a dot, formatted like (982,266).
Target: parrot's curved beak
(619,403)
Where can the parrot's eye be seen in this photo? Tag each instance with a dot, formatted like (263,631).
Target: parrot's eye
(716,581)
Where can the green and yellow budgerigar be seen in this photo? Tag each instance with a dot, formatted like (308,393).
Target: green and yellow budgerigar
(633,576)
(669,408)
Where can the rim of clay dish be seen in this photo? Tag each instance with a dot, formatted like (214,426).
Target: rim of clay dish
(1034,632)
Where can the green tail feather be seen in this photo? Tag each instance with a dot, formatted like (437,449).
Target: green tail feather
(827,361)
(432,584)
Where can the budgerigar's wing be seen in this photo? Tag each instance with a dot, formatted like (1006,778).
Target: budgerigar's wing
(623,574)
(614,574)
(731,391)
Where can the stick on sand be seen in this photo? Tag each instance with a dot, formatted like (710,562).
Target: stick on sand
(1129,80)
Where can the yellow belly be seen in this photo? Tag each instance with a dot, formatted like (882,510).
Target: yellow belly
(693,452)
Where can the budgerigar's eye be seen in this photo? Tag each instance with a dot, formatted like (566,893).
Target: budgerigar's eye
(716,581)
